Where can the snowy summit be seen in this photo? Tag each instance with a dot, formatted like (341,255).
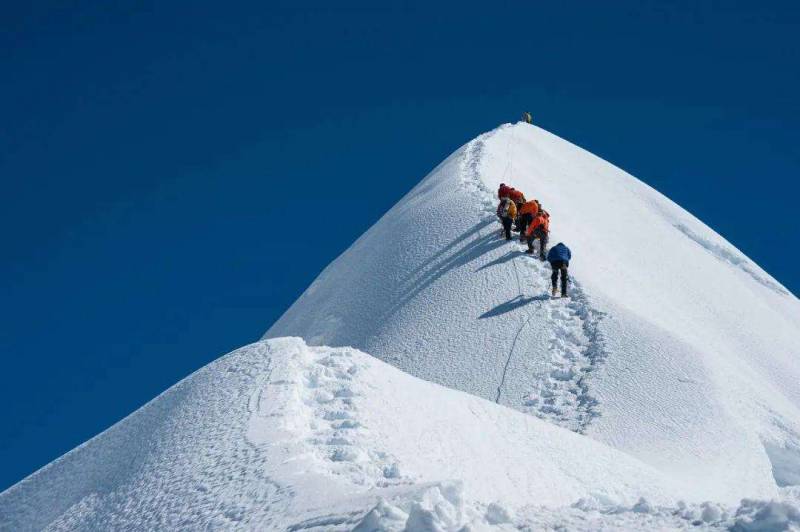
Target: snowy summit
(426,380)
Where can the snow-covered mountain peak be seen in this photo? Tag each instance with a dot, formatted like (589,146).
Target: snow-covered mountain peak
(674,346)
(661,393)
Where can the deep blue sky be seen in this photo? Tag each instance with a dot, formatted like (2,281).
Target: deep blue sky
(175,174)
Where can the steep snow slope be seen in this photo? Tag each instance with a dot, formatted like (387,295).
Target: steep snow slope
(670,374)
(674,348)
(280,436)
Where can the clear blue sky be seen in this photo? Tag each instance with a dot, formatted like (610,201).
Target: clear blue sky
(174,174)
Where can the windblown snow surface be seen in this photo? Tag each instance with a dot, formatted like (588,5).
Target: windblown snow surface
(663,394)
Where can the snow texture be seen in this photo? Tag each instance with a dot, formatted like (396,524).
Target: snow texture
(674,347)
(663,394)
(282,436)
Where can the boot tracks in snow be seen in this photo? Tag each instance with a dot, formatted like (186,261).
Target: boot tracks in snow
(560,391)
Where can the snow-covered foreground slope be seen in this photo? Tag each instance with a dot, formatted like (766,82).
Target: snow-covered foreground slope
(282,436)
(675,348)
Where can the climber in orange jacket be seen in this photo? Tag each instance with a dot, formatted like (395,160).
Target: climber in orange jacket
(539,228)
(517,197)
(503,191)
(519,200)
(525,216)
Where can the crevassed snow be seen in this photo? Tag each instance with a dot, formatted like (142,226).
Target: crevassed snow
(675,347)
(282,436)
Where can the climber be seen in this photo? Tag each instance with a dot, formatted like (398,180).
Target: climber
(525,216)
(503,191)
(506,211)
(517,197)
(539,228)
(559,257)
(519,200)
(527,118)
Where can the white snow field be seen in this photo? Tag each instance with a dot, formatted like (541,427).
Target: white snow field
(663,394)
(282,436)
(674,348)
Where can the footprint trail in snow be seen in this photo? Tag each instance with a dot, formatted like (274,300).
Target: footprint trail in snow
(336,430)
(560,391)
(558,367)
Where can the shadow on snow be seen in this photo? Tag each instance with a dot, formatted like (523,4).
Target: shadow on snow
(513,304)
(502,259)
(451,257)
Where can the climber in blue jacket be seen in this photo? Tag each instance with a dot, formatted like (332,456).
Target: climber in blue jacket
(559,257)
